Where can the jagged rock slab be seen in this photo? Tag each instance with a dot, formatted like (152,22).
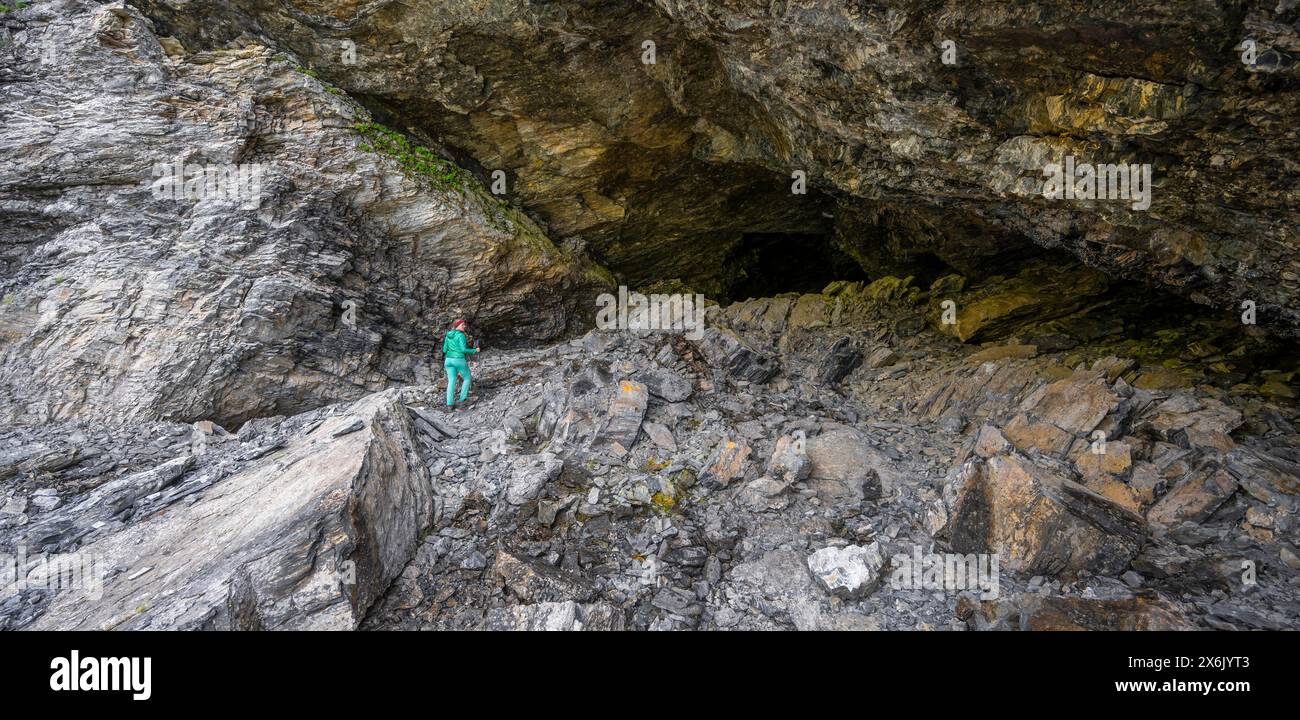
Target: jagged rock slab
(529,474)
(789,462)
(666,384)
(727,351)
(838,362)
(1195,497)
(575,407)
(1076,404)
(532,581)
(728,462)
(556,616)
(1038,521)
(660,435)
(626,411)
(1033,611)
(64,530)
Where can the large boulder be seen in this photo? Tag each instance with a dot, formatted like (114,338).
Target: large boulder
(308,537)
(845,467)
(847,572)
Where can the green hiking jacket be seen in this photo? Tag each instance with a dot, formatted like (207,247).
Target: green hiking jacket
(453,345)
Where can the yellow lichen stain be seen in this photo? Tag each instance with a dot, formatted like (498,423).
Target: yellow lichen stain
(654,465)
(663,502)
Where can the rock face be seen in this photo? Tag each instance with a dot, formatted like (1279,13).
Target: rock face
(673,168)
(998,303)
(330,277)
(196,376)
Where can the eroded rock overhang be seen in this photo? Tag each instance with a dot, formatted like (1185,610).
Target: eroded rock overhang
(662,169)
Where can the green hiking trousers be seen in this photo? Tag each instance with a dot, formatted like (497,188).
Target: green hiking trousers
(454,367)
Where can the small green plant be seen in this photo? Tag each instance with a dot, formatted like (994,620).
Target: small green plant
(58,279)
(298,68)
(7,299)
(416,160)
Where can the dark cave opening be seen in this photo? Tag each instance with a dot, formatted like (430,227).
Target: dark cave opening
(774,263)
(1124,318)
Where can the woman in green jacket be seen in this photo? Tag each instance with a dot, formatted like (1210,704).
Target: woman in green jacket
(454,352)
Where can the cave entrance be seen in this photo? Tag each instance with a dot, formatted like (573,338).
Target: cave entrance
(769,264)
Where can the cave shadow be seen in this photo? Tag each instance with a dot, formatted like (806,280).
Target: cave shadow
(774,263)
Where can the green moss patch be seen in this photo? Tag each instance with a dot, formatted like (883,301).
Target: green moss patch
(417,161)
